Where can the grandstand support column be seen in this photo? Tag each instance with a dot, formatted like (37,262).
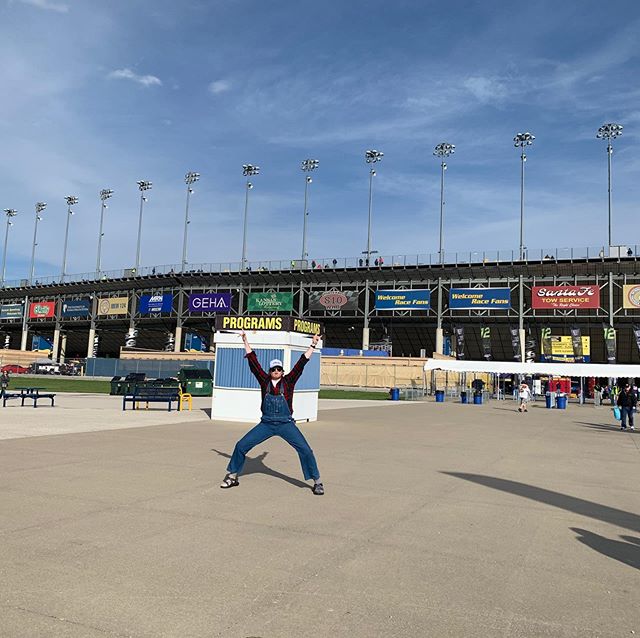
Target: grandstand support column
(25,325)
(439,330)
(63,348)
(56,342)
(521,334)
(92,327)
(177,344)
(365,330)
(611,299)
(240,300)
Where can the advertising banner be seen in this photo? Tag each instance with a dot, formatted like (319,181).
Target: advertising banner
(287,324)
(565,297)
(459,332)
(210,302)
(515,343)
(41,344)
(11,311)
(403,299)
(562,350)
(530,346)
(576,344)
(480,298)
(76,308)
(485,335)
(545,346)
(150,304)
(113,306)
(270,302)
(42,309)
(610,341)
(631,296)
(333,299)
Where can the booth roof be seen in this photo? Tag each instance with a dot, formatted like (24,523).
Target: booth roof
(554,369)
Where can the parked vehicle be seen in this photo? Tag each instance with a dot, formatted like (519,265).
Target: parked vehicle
(45,367)
(13,368)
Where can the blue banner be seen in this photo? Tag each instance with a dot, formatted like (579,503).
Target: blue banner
(480,298)
(41,344)
(76,308)
(155,303)
(194,343)
(11,311)
(403,299)
(210,302)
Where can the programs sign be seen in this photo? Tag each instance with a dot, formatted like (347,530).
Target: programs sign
(565,297)
(403,299)
(480,298)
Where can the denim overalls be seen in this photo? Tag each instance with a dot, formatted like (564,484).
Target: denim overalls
(276,421)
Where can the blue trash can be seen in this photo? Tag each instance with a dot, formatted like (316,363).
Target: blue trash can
(463,397)
(547,400)
(395,394)
(439,396)
(561,402)
(477,398)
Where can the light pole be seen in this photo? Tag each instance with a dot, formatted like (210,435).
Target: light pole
(522,140)
(443,151)
(307,166)
(189,179)
(144,186)
(609,132)
(40,206)
(105,194)
(371,157)
(71,200)
(9,212)
(247,170)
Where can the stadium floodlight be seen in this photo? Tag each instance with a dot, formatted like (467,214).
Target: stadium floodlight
(521,140)
(371,157)
(609,132)
(40,206)
(105,194)
(189,179)
(71,200)
(443,151)
(10,213)
(144,186)
(247,170)
(307,166)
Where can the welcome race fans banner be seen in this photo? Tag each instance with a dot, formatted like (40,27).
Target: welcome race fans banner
(480,298)
(403,299)
(565,297)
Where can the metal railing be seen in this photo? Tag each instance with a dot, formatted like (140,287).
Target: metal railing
(449,259)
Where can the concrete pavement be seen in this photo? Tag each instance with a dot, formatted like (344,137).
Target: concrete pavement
(439,520)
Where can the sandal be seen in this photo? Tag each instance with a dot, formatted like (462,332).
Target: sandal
(318,489)
(229,482)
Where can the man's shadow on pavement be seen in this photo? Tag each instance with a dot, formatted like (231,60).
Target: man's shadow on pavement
(626,552)
(256,465)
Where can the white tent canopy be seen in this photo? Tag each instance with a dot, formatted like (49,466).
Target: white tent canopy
(554,369)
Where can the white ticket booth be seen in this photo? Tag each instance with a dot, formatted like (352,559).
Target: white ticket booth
(236,393)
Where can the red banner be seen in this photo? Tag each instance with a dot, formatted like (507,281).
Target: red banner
(42,309)
(565,297)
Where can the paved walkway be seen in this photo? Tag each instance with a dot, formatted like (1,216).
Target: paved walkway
(439,520)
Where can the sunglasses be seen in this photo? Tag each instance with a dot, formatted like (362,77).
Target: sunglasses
(276,369)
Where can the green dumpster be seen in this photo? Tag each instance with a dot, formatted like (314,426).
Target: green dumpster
(197,382)
(116,386)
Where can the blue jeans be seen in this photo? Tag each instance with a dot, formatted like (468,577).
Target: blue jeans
(276,421)
(624,413)
(289,432)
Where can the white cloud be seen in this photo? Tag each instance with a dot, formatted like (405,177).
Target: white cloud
(219,86)
(128,74)
(486,89)
(47,5)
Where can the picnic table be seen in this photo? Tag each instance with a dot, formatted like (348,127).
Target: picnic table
(28,392)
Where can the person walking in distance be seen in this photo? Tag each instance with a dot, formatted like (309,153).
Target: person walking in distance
(627,401)
(277,416)
(524,394)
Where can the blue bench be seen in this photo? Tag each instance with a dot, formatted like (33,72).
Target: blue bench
(34,396)
(151,395)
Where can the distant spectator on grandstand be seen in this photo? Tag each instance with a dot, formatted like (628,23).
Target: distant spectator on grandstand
(360,262)
(375,262)
(629,252)
(380,261)
(335,263)
(313,263)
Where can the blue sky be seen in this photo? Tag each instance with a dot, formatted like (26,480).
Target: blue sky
(100,95)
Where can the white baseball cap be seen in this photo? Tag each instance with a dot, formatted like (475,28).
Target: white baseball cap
(275,362)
